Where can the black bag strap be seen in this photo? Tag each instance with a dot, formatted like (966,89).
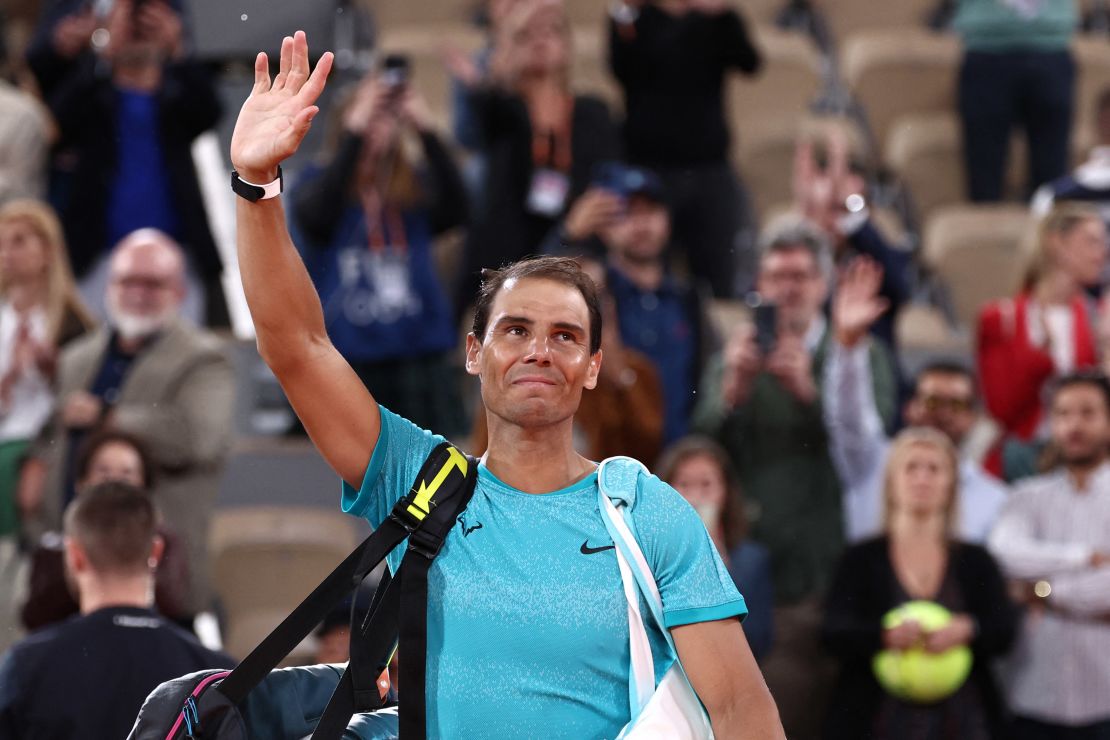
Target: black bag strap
(428,493)
(440,493)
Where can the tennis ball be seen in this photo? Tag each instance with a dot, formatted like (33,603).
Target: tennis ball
(916,675)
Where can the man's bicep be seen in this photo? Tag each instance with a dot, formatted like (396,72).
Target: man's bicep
(337,411)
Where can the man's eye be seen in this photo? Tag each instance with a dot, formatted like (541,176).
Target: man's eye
(516,330)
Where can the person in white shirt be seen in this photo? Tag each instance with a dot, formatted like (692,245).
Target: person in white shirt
(944,398)
(1053,540)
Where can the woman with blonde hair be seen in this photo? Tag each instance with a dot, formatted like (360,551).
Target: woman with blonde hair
(1046,330)
(917,558)
(540,141)
(39,311)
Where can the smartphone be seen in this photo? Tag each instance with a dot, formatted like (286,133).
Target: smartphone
(766,317)
(395,71)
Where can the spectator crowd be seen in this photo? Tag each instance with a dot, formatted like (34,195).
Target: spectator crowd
(802,372)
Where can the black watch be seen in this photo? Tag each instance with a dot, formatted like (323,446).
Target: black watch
(253,192)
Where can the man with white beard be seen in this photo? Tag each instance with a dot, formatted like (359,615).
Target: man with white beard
(152,374)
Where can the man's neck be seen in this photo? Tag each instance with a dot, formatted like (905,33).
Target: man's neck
(647,275)
(106,591)
(1081,473)
(534,460)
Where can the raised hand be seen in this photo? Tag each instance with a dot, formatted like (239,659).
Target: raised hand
(857,303)
(275,118)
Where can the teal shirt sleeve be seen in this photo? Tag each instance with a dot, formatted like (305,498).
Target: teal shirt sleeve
(693,581)
(401,450)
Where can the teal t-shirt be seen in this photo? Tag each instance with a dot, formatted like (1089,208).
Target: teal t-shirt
(527,619)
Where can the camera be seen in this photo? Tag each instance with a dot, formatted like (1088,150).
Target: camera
(395,72)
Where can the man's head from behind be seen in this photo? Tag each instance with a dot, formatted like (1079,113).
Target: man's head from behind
(1080,419)
(944,398)
(794,270)
(536,339)
(641,232)
(147,283)
(110,537)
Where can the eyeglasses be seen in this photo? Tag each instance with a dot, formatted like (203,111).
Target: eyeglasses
(937,403)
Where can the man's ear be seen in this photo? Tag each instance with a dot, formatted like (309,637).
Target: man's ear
(77,561)
(592,372)
(473,354)
(157,550)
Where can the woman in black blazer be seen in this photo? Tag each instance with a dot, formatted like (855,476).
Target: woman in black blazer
(917,558)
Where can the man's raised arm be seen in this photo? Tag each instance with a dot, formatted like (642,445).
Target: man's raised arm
(337,411)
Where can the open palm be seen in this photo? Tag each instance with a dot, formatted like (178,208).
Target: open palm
(857,303)
(275,118)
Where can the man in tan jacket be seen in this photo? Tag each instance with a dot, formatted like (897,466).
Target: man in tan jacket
(153,375)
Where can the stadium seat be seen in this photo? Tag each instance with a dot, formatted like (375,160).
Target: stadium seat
(590,68)
(785,86)
(727,315)
(388,14)
(267,559)
(893,73)
(978,251)
(1092,58)
(587,13)
(845,17)
(759,11)
(921,328)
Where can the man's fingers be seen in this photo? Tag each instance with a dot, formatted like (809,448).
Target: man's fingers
(315,85)
(285,63)
(292,136)
(261,74)
(299,67)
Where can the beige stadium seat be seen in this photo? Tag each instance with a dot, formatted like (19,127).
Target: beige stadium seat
(893,73)
(390,13)
(424,47)
(845,17)
(978,252)
(785,86)
(727,315)
(759,11)
(923,329)
(590,68)
(587,13)
(267,559)
(1092,58)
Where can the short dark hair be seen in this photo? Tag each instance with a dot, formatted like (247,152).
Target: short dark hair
(115,525)
(947,366)
(1091,378)
(104,437)
(558,269)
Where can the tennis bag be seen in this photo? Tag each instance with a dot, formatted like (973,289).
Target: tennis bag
(256,701)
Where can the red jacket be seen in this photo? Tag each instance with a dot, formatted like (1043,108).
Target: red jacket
(1013,371)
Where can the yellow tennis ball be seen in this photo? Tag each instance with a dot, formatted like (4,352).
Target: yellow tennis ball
(916,675)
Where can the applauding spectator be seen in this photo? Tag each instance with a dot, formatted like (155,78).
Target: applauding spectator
(671,58)
(541,141)
(1044,331)
(917,557)
(368,216)
(943,399)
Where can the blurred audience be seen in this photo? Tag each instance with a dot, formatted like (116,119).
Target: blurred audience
(700,470)
(541,141)
(1017,70)
(107,456)
(943,398)
(761,401)
(659,314)
(624,413)
(1054,540)
(671,58)
(832,194)
(39,311)
(1047,329)
(1090,182)
(131,112)
(87,677)
(368,216)
(25,133)
(918,556)
(154,375)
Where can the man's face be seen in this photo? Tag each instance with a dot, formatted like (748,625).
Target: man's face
(146,287)
(641,234)
(1080,424)
(534,360)
(790,278)
(944,401)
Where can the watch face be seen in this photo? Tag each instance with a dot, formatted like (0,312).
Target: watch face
(855,203)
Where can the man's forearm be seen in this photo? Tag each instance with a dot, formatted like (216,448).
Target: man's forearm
(750,717)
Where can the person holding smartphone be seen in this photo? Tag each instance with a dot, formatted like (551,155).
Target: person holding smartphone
(763,404)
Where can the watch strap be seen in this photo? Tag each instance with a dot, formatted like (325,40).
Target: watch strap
(255,192)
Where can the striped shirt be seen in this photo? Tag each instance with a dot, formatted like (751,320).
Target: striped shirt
(1060,670)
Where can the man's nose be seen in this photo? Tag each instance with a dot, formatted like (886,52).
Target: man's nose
(539,351)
